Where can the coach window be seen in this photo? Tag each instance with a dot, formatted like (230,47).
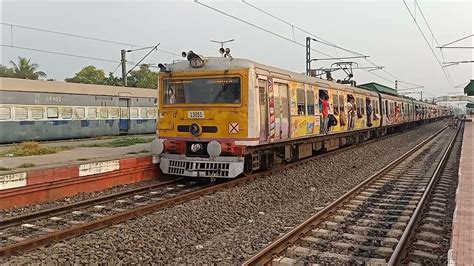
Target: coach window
(386,107)
(92,113)
(310,101)
(66,112)
(37,112)
(133,112)
(5,113)
(362,106)
(341,104)
(143,113)
(358,106)
(114,113)
(152,112)
(335,104)
(79,113)
(21,113)
(104,113)
(375,107)
(52,112)
(300,101)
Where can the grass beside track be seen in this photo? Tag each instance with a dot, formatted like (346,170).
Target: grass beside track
(31,148)
(120,142)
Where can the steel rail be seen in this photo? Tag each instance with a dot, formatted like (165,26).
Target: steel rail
(401,248)
(266,255)
(16,220)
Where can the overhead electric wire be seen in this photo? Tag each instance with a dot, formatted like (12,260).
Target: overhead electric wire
(277,34)
(434,38)
(65,54)
(326,42)
(428,43)
(60,53)
(458,40)
(260,28)
(82,37)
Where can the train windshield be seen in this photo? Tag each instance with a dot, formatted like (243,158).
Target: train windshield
(202,90)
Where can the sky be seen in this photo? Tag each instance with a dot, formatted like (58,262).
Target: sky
(383,30)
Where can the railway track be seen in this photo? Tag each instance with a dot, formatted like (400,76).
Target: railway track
(26,232)
(374,222)
(29,231)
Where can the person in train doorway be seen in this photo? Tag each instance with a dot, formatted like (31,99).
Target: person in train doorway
(368,106)
(325,112)
(351,111)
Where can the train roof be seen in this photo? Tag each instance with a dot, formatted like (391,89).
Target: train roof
(13,84)
(220,63)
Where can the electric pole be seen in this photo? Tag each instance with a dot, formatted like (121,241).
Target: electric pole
(124,68)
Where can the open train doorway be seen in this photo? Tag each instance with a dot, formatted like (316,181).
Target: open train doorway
(124,121)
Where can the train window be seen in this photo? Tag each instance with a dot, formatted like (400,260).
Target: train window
(21,113)
(283,90)
(79,113)
(104,113)
(52,112)
(300,101)
(386,107)
(92,113)
(358,106)
(362,106)
(375,106)
(66,112)
(341,103)
(310,101)
(5,113)
(133,112)
(335,104)
(115,113)
(202,90)
(143,113)
(152,112)
(37,112)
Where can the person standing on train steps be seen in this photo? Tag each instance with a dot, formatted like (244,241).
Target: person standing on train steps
(325,113)
(369,112)
(351,112)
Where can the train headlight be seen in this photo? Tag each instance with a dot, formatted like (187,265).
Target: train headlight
(195,129)
(157,146)
(214,148)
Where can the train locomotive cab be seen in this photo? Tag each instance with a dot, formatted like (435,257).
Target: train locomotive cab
(203,127)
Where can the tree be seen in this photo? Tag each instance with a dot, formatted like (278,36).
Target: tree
(6,72)
(113,80)
(26,70)
(143,78)
(88,75)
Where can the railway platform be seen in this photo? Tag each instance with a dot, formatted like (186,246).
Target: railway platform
(85,166)
(462,241)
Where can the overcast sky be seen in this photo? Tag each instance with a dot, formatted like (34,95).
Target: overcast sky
(383,30)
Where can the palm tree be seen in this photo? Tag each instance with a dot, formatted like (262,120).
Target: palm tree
(25,70)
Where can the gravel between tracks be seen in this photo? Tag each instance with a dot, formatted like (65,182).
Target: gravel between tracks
(68,200)
(233,224)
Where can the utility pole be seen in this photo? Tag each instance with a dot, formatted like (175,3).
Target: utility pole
(308,55)
(124,68)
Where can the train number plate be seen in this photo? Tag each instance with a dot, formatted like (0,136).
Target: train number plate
(196,114)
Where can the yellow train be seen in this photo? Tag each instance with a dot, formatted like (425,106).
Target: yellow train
(221,117)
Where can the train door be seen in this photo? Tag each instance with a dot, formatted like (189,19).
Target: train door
(284,111)
(262,99)
(124,121)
